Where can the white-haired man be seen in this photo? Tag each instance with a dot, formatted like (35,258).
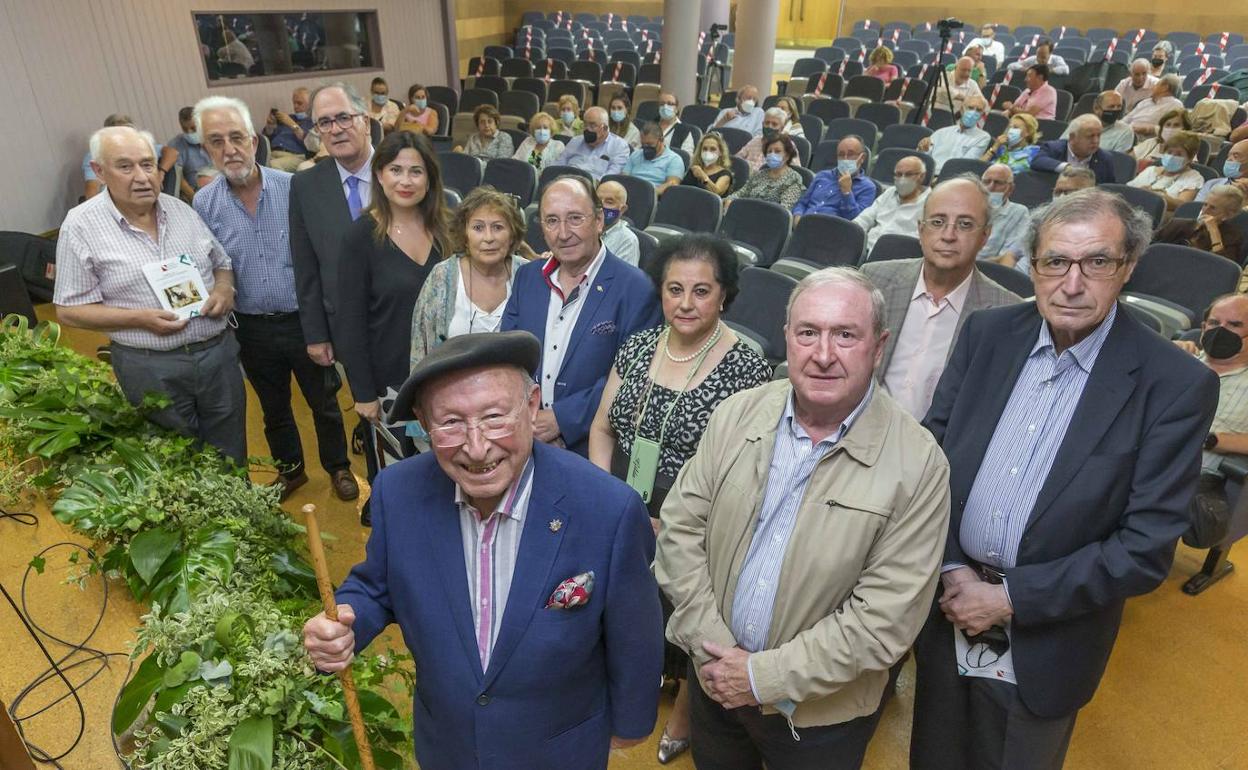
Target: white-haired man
(1138,86)
(1164,97)
(247,207)
(158,346)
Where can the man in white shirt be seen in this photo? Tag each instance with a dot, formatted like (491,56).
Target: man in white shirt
(961,86)
(1043,55)
(987,41)
(927,300)
(1007,239)
(1137,87)
(617,237)
(1163,98)
(898,208)
(964,139)
(747,115)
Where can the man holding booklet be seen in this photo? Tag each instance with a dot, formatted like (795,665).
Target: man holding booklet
(143,268)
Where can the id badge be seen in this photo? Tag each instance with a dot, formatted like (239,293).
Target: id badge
(643,463)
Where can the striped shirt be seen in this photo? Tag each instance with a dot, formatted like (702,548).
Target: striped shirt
(100,258)
(1232,414)
(259,246)
(490,549)
(793,461)
(1024,445)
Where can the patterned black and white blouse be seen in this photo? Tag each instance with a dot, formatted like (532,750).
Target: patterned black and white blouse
(740,369)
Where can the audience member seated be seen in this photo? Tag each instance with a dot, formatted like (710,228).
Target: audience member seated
(540,148)
(1164,98)
(1007,242)
(1174,180)
(1137,87)
(1083,148)
(746,115)
(961,87)
(1073,179)
(290,134)
(845,191)
(489,141)
(191,154)
(166,159)
(675,133)
(619,112)
(898,209)
(792,118)
(596,150)
(964,139)
(1148,151)
(775,181)
(882,66)
(773,125)
(978,72)
(380,107)
(467,293)
(1038,99)
(1162,61)
(570,122)
(1043,55)
(1234,171)
(1117,136)
(235,51)
(1017,146)
(616,235)
(418,117)
(988,43)
(709,167)
(1210,231)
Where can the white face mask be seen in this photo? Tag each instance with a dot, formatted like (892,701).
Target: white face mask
(709,157)
(1167,132)
(747,106)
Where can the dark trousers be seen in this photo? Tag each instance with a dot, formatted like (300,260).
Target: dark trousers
(971,723)
(272,349)
(203,383)
(745,738)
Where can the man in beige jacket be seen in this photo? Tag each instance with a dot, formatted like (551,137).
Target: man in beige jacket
(800,546)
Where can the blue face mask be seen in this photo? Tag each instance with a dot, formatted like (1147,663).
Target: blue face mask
(609,216)
(569,117)
(420,104)
(300,116)
(970,118)
(774,160)
(380,99)
(1172,163)
(542,135)
(618,115)
(192,137)
(667,111)
(1230,169)
(995,199)
(846,166)
(1013,135)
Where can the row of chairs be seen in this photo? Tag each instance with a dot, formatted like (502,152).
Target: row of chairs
(868,29)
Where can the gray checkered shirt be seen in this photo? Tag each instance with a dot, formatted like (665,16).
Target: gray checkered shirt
(100,258)
(1232,414)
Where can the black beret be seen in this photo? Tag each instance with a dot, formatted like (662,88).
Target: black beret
(467,351)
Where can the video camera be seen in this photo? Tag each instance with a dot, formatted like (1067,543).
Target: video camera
(716,29)
(944,25)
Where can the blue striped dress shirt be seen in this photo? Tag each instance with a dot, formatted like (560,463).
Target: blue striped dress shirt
(1024,445)
(793,462)
(259,246)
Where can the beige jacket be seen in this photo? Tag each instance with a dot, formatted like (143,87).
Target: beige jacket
(861,566)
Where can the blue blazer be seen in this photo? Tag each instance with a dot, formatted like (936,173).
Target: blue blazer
(560,682)
(1108,516)
(1050,154)
(623,300)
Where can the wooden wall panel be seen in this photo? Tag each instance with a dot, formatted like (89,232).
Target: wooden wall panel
(70,63)
(516,8)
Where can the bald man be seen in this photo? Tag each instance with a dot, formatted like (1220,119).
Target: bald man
(1007,242)
(1082,150)
(619,239)
(961,86)
(1138,86)
(597,150)
(1234,171)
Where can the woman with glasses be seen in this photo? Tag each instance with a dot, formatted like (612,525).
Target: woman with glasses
(489,141)
(540,148)
(1174,180)
(660,394)
(387,255)
(710,168)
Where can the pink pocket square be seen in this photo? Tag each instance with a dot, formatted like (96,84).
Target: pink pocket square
(573,592)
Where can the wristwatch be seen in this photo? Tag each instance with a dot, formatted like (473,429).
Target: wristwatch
(1211,441)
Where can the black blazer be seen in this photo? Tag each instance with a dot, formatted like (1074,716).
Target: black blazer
(319,218)
(1050,154)
(1107,519)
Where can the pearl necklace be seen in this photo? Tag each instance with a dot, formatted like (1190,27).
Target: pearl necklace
(710,343)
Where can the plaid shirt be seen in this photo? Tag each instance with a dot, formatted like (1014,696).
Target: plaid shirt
(100,258)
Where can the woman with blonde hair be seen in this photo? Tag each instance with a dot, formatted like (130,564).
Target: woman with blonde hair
(1018,145)
(569,119)
(882,66)
(541,148)
(710,167)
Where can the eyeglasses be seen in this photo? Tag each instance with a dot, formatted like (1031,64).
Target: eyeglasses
(491,428)
(343,121)
(961,224)
(574,221)
(1091,267)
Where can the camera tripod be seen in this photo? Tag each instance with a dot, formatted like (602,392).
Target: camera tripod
(935,79)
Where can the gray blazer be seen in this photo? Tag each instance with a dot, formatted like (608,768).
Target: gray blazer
(318,219)
(896,279)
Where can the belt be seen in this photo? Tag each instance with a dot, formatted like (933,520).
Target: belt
(990,574)
(267,316)
(190,347)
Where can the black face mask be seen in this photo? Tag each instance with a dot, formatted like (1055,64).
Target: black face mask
(1158,62)
(591,136)
(1221,343)
(1110,117)
(649,152)
(769,134)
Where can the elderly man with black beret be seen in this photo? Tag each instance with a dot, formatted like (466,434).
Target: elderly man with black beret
(517,571)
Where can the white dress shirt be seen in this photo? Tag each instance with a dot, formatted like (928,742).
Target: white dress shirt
(365,175)
(923,343)
(960,94)
(1149,111)
(466,317)
(1131,95)
(957,142)
(561,316)
(890,215)
(994,48)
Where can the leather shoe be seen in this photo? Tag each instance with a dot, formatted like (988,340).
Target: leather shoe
(288,484)
(344,484)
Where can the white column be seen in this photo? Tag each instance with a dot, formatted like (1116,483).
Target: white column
(680,49)
(755,53)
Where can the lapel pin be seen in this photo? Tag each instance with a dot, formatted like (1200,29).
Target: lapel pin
(599,287)
(555,525)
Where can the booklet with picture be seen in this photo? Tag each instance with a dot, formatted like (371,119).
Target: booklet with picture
(178,285)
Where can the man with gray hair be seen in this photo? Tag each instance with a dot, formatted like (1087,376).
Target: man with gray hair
(1082,149)
(800,634)
(1164,97)
(1138,86)
(1073,179)
(247,207)
(1007,242)
(1117,136)
(964,139)
(752,151)
(899,208)
(654,162)
(142,267)
(1073,434)
(598,150)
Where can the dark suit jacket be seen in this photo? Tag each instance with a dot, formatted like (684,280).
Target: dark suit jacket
(560,682)
(1105,524)
(319,218)
(623,300)
(1050,154)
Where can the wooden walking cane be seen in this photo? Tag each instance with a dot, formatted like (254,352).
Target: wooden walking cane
(317,552)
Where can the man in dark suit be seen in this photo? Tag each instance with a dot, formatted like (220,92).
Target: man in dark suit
(1083,148)
(1073,435)
(324,200)
(519,574)
(582,303)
